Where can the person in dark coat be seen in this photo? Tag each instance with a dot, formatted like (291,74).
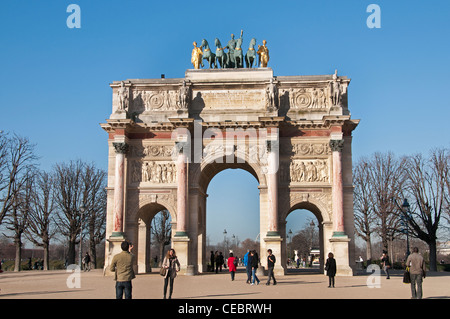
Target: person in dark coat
(254,264)
(212,258)
(330,267)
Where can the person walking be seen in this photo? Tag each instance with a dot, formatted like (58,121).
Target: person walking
(385,263)
(270,265)
(122,266)
(219,262)
(87,262)
(254,264)
(172,265)
(232,262)
(417,271)
(330,267)
(248,267)
(212,258)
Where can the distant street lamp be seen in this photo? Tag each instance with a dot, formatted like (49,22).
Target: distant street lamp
(290,242)
(224,239)
(405,219)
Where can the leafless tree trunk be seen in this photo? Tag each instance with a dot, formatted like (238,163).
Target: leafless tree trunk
(427,184)
(162,231)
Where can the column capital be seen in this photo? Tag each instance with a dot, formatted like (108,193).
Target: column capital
(336,145)
(121,148)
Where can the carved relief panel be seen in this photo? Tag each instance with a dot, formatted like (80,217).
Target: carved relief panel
(152,164)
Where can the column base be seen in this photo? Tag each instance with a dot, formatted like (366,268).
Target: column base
(117,235)
(181,247)
(273,242)
(273,234)
(340,246)
(114,243)
(180,234)
(339,234)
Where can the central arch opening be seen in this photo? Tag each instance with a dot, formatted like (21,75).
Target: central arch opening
(231,216)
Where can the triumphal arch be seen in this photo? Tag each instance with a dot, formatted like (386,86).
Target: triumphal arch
(169,137)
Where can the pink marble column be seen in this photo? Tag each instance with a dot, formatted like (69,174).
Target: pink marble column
(272,188)
(181,193)
(121,149)
(338,189)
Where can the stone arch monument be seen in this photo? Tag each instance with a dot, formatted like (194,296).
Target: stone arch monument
(169,137)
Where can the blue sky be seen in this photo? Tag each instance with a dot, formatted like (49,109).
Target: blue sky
(54,81)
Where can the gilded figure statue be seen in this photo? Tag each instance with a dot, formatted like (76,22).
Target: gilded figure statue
(263,53)
(196,57)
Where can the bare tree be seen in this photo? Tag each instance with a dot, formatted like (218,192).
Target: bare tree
(16,158)
(68,179)
(362,204)
(386,176)
(19,165)
(427,184)
(17,221)
(40,223)
(94,199)
(162,231)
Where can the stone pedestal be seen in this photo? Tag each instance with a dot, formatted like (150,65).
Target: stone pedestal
(181,246)
(340,247)
(274,243)
(114,248)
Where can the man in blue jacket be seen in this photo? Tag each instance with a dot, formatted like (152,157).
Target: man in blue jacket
(248,266)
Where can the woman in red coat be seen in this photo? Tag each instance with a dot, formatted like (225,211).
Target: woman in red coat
(232,265)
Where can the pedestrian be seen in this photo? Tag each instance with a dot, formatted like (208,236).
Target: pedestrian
(330,267)
(122,266)
(254,264)
(248,267)
(172,265)
(219,262)
(417,271)
(212,258)
(385,263)
(270,265)
(232,262)
(86,262)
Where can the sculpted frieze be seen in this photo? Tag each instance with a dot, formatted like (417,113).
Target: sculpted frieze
(147,151)
(309,171)
(158,172)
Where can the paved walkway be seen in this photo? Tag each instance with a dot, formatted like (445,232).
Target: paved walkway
(300,285)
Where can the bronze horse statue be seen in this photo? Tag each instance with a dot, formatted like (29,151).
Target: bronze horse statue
(238,55)
(208,55)
(250,56)
(221,56)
